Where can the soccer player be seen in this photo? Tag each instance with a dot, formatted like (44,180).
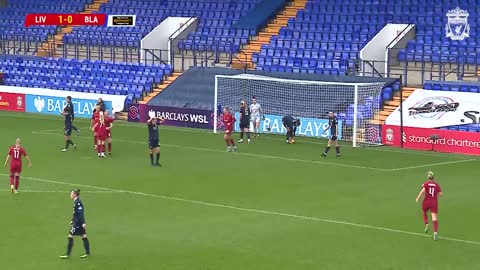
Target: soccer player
(95,119)
(109,122)
(256,116)
(14,155)
(290,123)
(69,110)
(78,225)
(228,123)
(101,129)
(244,121)
(431,190)
(333,126)
(67,133)
(154,140)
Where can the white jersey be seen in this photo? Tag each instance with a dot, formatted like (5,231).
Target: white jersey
(255,110)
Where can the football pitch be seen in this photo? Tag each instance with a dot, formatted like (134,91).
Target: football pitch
(271,206)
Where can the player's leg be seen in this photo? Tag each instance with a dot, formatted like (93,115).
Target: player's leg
(242,127)
(226,138)
(109,145)
(257,127)
(151,155)
(434,214)
(232,143)
(327,148)
(247,130)
(157,155)
(86,245)
(12,179)
(337,146)
(95,141)
(17,181)
(69,244)
(99,147)
(289,134)
(102,147)
(425,218)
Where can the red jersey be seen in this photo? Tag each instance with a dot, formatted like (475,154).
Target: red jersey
(16,154)
(228,121)
(96,117)
(431,192)
(109,121)
(101,129)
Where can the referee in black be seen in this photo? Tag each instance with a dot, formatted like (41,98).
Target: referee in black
(290,123)
(333,126)
(69,110)
(78,225)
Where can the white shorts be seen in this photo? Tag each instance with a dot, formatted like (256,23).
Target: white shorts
(255,119)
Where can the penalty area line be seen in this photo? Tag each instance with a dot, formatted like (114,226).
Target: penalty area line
(240,153)
(63,191)
(251,210)
(434,164)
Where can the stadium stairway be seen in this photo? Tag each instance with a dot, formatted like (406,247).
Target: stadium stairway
(390,106)
(272,29)
(160,87)
(48,48)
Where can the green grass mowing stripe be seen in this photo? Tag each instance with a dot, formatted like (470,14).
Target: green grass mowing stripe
(238,153)
(273,213)
(265,136)
(282,158)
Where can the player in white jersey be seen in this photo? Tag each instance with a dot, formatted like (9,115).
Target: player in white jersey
(255,116)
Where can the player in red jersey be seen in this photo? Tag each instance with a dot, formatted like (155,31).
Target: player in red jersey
(431,190)
(15,154)
(109,122)
(228,123)
(95,119)
(101,129)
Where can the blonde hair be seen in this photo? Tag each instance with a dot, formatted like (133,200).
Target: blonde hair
(430,175)
(102,117)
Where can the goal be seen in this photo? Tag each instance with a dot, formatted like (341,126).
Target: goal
(356,105)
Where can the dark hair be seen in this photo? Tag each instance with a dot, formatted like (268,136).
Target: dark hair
(76,192)
(69,97)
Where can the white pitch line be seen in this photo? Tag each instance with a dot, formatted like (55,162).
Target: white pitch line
(62,191)
(251,210)
(434,164)
(203,131)
(240,154)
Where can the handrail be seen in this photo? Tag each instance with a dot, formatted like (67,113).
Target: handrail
(180,28)
(373,67)
(399,34)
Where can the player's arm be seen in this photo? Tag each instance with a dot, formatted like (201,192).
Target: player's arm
(95,126)
(260,109)
(27,157)
(160,120)
(420,194)
(6,160)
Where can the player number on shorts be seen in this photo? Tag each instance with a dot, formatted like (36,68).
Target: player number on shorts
(16,154)
(431,191)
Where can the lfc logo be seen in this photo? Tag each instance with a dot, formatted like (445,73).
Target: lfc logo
(389,135)
(457,27)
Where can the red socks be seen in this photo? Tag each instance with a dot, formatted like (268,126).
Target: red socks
(17,182)
(435,226)
(425,218)
(109,147)
(99,148)
(103,148)
(12,181)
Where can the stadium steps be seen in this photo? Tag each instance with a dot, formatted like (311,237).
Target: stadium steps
(263,38)
(391,105)
(49,48)
(160,87)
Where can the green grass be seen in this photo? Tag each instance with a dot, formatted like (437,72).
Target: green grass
(269,206)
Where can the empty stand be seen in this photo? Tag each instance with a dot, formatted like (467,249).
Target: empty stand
(101,77)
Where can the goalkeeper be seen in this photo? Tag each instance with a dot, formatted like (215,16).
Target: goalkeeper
(290,123)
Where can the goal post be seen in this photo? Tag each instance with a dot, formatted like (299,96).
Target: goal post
(357,105)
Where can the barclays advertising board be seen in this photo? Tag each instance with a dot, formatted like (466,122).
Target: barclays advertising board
(55,105)
(309,127)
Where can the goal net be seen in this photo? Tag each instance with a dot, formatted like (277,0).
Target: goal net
(355,104)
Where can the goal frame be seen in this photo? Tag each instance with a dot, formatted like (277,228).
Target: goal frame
(245,76)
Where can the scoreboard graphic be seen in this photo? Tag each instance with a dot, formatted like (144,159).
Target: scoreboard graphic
(80,20)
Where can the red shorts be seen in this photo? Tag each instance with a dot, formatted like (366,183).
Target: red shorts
(228,132)
(15,168)
(102,137)
(432,207)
